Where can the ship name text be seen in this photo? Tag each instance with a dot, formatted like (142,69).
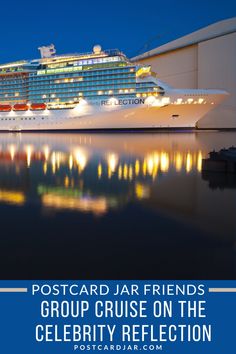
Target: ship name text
(123,102)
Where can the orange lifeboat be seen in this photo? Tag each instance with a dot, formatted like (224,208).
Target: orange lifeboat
(38,106)
(20,107)
(5,107)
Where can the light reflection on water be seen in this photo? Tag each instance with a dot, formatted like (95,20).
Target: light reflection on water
(70,160)
(100,174)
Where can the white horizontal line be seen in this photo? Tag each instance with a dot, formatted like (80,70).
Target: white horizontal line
(222,290)
(13,290)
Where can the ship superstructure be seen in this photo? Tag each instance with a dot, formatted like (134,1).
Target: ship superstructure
(98,90)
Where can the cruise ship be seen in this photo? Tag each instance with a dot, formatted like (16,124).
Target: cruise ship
(98,90)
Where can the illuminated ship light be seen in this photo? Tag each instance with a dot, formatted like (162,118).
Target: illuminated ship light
(102,89)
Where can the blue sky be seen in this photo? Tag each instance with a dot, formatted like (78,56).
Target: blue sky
(75,25)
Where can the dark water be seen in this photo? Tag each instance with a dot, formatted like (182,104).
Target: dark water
(115,206)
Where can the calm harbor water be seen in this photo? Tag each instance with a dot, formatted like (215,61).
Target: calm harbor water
(120,205)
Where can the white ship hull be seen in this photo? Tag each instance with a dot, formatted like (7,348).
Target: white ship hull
(177,109)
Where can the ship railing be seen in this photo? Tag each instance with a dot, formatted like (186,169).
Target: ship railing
(110,52)
(113,52)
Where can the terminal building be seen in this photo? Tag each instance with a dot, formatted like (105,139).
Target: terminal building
(203,59)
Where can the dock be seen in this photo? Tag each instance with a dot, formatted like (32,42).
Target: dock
(223,161)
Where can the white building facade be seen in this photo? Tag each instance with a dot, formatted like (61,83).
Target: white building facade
(203,59)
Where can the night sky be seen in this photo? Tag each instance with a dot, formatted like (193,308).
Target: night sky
(75,25)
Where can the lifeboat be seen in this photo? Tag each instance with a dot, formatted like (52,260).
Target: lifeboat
(5,107)
(38,106)
(20,107)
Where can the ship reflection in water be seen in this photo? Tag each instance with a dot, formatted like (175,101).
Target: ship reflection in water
(115,206)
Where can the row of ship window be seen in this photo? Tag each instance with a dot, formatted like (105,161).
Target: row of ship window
(84,86)
(34,76)
(80,93)
(92,97)
(59,95)
(85,83)
(68,83)
(85,94)
(103,76)
(29,118)
(75,65)
(12,92)
(86,73)
(18,98)
(91,92)
(72,100)
(68,80)
(81,85)
(69,69)
(88,80)
(141,89)
(70,89)
(61,88)
(92,61)
(12,83)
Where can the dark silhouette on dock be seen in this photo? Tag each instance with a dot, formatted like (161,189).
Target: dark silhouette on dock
(220,168)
